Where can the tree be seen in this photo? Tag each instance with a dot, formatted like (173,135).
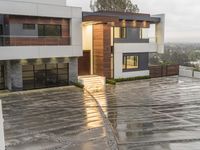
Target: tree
(114,5)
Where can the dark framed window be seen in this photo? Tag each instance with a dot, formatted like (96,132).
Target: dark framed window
(49,30)
(45,75)
(29,26)
(120,32)
(130,62)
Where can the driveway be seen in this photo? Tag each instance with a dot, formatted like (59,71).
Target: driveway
(59,118)
(154,114)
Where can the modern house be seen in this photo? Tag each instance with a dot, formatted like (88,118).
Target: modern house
(118,45)
(45,43)
(40,42)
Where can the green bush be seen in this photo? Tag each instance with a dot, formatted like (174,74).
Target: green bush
(132,79)
(111,81)
(79,85)
(196,69)
(114,81)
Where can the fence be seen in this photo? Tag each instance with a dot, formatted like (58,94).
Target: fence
(188,72)
(2,142)
(162,71)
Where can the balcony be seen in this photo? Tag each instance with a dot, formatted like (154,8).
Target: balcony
(34,40)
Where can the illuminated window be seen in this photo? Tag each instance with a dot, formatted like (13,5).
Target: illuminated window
(144,33)
(120,32)
(130,62)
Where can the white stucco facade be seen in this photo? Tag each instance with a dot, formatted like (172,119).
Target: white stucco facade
(54,8)
(120,48)
(160,33)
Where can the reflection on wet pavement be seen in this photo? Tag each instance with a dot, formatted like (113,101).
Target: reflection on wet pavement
(155,114)
(60,118)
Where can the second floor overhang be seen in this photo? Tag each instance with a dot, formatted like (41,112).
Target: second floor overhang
(127,19)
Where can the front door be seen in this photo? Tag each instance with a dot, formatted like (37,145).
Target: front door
(84,64)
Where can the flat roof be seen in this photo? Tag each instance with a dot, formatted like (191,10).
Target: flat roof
(120,16)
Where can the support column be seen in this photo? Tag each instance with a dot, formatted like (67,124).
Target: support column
(73,70)
(14,79)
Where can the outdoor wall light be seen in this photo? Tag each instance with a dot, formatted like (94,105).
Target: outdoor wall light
(123,23)
(144,24)
(134,23)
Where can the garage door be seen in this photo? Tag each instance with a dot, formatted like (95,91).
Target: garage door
(2,80)
(45,75)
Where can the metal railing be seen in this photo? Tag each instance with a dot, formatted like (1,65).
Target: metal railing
(12,40)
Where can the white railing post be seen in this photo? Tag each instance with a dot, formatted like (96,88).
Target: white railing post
(2,142)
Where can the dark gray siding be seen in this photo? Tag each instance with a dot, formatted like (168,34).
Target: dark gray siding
(1,19)
(143,61)
(133,36)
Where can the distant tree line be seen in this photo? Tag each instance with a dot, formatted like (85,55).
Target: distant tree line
(177,54)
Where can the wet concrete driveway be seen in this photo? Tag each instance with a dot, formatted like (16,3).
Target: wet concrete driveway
(155,114)
(53,119)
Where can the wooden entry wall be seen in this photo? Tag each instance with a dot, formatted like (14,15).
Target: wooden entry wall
(84,63)
(102,50)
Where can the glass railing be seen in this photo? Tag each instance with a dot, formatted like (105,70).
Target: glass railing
(34,40)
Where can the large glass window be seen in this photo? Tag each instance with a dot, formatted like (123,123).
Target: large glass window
(130,62)
(49,30)
(144,33)
(120,32)
(29,26)
(45,75)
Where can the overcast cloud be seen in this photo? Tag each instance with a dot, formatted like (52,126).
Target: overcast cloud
(182,16)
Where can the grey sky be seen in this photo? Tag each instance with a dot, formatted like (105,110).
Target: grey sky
(182,16)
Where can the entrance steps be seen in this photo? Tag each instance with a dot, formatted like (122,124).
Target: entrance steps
(93,82)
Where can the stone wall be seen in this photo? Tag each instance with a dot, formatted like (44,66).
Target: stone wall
(73,70)
(14,79)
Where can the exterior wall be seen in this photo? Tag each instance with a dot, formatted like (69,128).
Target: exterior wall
(135,47)
(34,52)
(42,10)
(141,71)
(51,2)
(102,50)
(14,75)
(160,33)
(73,70)
(133,36)
(21,37)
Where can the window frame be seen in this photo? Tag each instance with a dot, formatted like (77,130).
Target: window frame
(124,62)
(44,30)
(28,26)
(121,31)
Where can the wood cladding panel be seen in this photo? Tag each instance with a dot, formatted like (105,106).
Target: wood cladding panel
(161,71)
(102,50)
(84,64)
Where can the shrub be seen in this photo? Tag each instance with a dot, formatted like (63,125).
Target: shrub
(132,79)
(111,81)
(79,85)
